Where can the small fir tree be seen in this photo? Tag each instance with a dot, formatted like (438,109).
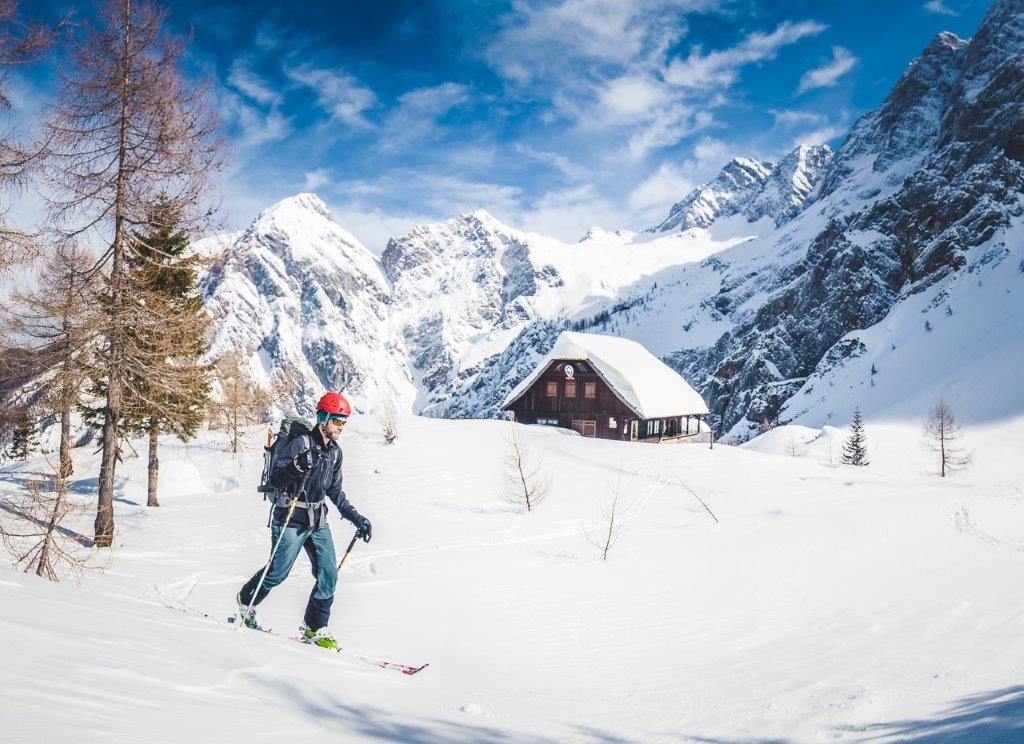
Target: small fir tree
(24,439)
(171,395)
(928,326)
(855,448)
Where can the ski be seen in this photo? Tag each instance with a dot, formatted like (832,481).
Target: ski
(406,669)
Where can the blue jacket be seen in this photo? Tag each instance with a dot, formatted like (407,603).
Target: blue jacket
(322,482)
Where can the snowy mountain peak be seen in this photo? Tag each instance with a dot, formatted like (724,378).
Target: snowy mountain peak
(727,194)
(305,203)
(600,234)
(789,184)
(299,297)
(753,188)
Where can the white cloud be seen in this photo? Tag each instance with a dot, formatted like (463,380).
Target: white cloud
(254,126)
(659,191)
(314,179)
(565,165)
(627,97)
(788,117)
(940,7)
(829,73)
(374,227)
(603,65)
(566,213)
(340,94)
(666,127)
(243,79)
(545,41)
(721,67)
(417,113)
(818,136)
(675,102)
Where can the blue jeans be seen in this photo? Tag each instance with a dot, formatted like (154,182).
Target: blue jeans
(319,546)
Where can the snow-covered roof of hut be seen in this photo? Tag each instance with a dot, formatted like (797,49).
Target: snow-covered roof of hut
(645,383)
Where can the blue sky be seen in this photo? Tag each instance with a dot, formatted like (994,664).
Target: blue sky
(551,115)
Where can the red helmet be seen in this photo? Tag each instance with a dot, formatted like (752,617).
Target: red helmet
(333,404)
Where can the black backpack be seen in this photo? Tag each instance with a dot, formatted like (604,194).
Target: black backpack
(289,430)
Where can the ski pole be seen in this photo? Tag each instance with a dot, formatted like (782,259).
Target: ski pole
(348,549)
(273,552)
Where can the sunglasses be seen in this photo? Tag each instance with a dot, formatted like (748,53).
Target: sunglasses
(341,420)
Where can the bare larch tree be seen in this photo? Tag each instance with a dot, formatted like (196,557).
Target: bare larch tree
(942,437)
(238,402)
(526,482)
(605,534)
(33,531)
(126,130)
(57,320)
(20,43)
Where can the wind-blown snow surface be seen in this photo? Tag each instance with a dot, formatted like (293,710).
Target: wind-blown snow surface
(829,604)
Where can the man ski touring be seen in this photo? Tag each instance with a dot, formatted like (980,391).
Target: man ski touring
(305,470)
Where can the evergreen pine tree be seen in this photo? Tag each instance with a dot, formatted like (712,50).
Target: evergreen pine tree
(171,395)
(24,439)
(855,449)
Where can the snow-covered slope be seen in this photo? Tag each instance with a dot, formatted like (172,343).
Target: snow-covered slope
(298,295)
(827,604)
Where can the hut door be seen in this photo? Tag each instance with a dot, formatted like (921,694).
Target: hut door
(632,430)
(586,428)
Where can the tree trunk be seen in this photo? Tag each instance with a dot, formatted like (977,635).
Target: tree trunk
(66,468)
(105,503)
(154,461)
(43,567)
(104,525)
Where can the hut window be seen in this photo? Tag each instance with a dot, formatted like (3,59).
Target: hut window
(547,421)
(552,389)
(570,388)
(590,389)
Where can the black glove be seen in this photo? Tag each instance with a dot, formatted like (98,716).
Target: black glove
(306,461)
(364,530)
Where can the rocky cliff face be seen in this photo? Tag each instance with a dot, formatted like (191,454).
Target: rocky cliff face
(934,174)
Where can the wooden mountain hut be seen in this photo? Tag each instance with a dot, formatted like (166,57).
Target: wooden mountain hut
(609,387)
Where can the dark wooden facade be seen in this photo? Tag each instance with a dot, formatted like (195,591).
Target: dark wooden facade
(583,401)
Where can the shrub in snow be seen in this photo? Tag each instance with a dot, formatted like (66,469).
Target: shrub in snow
(389,421)
(928,326)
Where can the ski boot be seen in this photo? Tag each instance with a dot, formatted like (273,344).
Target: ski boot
(247,616)
(319,638)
